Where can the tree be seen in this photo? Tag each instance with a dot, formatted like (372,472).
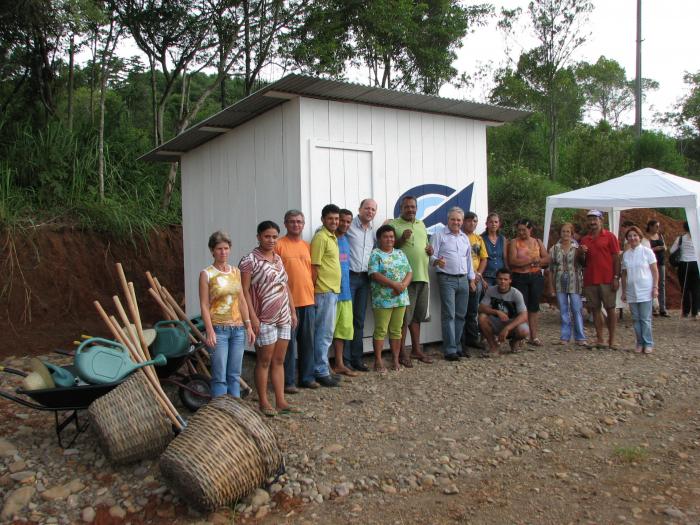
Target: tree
(558,27)
(175,35)
(607,89)
(108,38)
(405,44)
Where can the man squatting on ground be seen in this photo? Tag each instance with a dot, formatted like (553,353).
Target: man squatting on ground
(503,314)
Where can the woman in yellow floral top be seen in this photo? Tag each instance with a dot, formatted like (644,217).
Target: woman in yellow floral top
(225,316)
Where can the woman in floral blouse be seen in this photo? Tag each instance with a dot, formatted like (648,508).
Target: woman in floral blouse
(390,274)
(567,275)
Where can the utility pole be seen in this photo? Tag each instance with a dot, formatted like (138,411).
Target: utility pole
(638,80)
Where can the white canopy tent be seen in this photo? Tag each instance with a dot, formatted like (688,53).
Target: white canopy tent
(645,188)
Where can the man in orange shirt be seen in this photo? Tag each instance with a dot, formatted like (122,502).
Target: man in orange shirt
(296,257)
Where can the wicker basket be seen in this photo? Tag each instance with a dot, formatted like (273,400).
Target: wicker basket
(129,422)
(225,452)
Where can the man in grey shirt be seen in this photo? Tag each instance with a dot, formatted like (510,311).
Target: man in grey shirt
(360,236)
(503,315)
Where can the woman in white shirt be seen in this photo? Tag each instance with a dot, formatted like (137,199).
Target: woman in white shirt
(688,273)
(640,285)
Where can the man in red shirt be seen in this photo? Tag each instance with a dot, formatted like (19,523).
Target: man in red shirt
(599,252)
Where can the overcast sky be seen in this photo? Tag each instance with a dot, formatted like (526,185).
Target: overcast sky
(670,46)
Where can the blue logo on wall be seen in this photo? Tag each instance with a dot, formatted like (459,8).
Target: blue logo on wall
(434,201)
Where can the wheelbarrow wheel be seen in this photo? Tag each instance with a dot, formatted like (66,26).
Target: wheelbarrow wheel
(195,393)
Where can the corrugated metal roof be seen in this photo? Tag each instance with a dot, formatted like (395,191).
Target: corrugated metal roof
(257,103)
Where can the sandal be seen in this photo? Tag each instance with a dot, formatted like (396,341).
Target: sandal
(291,410)
(380,370)
(423,358)
(268,411)
(638,349)
(406,362)
(560,342)
(535,342)
(600,346)
(346,372)
(648,350)
(614,347)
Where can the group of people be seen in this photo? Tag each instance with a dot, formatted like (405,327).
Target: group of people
(298,301)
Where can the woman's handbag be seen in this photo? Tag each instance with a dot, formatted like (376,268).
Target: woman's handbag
(675,258)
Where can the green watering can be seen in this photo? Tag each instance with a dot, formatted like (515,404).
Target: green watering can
(99,361)
(61,376)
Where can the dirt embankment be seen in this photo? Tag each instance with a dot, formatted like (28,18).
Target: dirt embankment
(51,276)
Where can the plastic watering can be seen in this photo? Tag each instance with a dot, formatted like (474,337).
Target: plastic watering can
(61,376)
(100,361)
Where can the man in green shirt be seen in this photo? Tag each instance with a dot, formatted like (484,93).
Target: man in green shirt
(325,273)
(412,238)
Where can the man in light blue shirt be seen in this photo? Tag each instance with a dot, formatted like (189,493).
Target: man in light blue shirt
(453,263)
(360,236)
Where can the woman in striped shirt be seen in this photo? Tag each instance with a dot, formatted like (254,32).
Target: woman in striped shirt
(272,315)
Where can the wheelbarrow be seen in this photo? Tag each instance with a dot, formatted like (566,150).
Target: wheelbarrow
(57,399)
(173,341)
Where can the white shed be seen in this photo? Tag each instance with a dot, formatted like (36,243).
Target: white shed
(304,142)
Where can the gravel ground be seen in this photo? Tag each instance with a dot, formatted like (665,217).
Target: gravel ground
(552,436)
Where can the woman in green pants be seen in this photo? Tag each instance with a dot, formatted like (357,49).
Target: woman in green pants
(390,274)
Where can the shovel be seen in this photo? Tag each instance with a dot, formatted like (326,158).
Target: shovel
(100,361)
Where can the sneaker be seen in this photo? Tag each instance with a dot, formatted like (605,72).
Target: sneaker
(452,357)
(664,314)
(360,367)
(291,389)
(648,350)
(327,381)
(312,385)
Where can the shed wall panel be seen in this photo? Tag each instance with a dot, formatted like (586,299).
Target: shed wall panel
(354,151)
(235,181)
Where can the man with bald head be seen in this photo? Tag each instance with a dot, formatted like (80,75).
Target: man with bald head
(360,236)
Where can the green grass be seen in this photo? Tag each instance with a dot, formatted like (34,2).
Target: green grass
(50,176)
(631,454)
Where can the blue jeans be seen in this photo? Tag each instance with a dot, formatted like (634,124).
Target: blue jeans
(324,323)
(641,315)
(359,291)
(566,314)
(471,321)
(301,346)
(227,360)
(454,295)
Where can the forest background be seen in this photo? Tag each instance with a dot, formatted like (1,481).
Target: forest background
(71,130)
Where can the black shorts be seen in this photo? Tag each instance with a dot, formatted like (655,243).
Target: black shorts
(531,285)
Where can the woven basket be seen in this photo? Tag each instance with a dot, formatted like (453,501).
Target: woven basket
(130,424)
(225,452)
